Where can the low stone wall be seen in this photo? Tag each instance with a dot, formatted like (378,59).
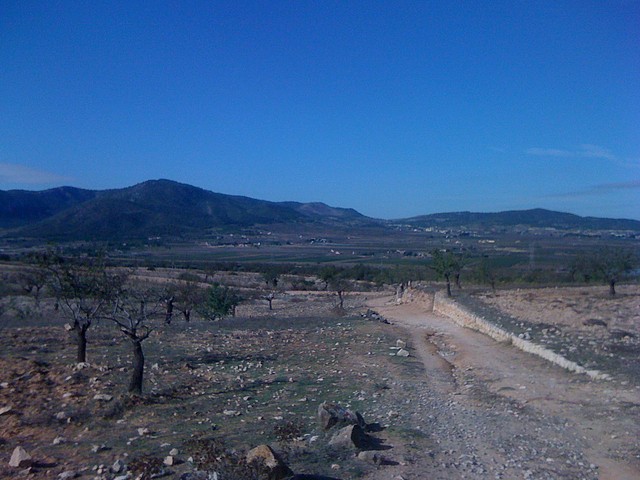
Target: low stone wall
(447,307)
(416,295)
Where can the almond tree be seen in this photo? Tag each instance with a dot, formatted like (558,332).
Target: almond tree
(132,311)
(33,279)
(611,264)
(220,301)
(445,265)
(339,285)
(84,289)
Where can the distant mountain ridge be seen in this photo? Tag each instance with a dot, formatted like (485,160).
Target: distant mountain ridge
(151,208)
(536,218)
(171,209)
(21,207)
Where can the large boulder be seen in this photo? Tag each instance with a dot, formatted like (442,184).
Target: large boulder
(265,457)
(20,458)
(331,414)
(349,437)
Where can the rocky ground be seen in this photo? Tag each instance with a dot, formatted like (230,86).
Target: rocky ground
(458,406)
(584,324)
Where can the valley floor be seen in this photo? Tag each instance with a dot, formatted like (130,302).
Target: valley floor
(459,406)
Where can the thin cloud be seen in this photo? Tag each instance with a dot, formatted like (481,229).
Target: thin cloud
(19,174)
(586,150)
(601,189)
(549,152)
(595,151)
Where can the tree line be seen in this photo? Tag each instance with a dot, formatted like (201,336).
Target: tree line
(87,290)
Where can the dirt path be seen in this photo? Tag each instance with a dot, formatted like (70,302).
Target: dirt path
(514,414)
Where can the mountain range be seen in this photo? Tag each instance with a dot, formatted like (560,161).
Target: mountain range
(171,209)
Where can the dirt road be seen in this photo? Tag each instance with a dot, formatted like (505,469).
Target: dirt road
(489,410)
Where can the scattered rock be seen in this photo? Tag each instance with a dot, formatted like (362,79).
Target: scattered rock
(197,475)
(349,437)
(330,414)
(594,322)
(118,466)
(59,440)
(20,458)
(169,460)
(67,474)
(174,452)
(6,409)
(402,353)
(401,343)
(143,431)
(371,456)
(103,397)
(263,455)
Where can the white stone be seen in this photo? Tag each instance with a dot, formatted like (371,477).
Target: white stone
(118,466)
(19,457)
(402,353)
(103,397)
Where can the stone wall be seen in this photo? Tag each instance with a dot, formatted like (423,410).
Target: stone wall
(443,305)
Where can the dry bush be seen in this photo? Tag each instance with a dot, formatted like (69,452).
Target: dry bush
(211,455)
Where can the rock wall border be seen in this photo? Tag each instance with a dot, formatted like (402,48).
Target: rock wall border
(465,318)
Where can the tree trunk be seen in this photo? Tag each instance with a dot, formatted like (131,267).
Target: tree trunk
(341,297)
(612,287)
(448,279)
(457,277)
(187,315)
(135,385)
(81,342)
(169,314)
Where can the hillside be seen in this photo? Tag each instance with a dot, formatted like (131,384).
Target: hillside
(152,208)
(534,218)
(164,208)
(22,207)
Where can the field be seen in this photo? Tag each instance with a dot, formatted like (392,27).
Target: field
(459,406)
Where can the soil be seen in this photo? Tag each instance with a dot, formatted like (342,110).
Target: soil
(459,406)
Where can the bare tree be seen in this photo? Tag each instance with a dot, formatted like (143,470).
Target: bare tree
(339,285)
(84,289)
(133,309)
(32,281)
(190,294)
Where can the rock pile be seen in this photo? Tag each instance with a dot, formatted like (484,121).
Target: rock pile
(373,315)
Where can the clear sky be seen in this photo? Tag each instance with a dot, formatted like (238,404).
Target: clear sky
(393,108)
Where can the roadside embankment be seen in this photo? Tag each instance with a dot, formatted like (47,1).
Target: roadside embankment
(448,307)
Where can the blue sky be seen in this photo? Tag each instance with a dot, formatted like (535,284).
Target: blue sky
(392,108)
